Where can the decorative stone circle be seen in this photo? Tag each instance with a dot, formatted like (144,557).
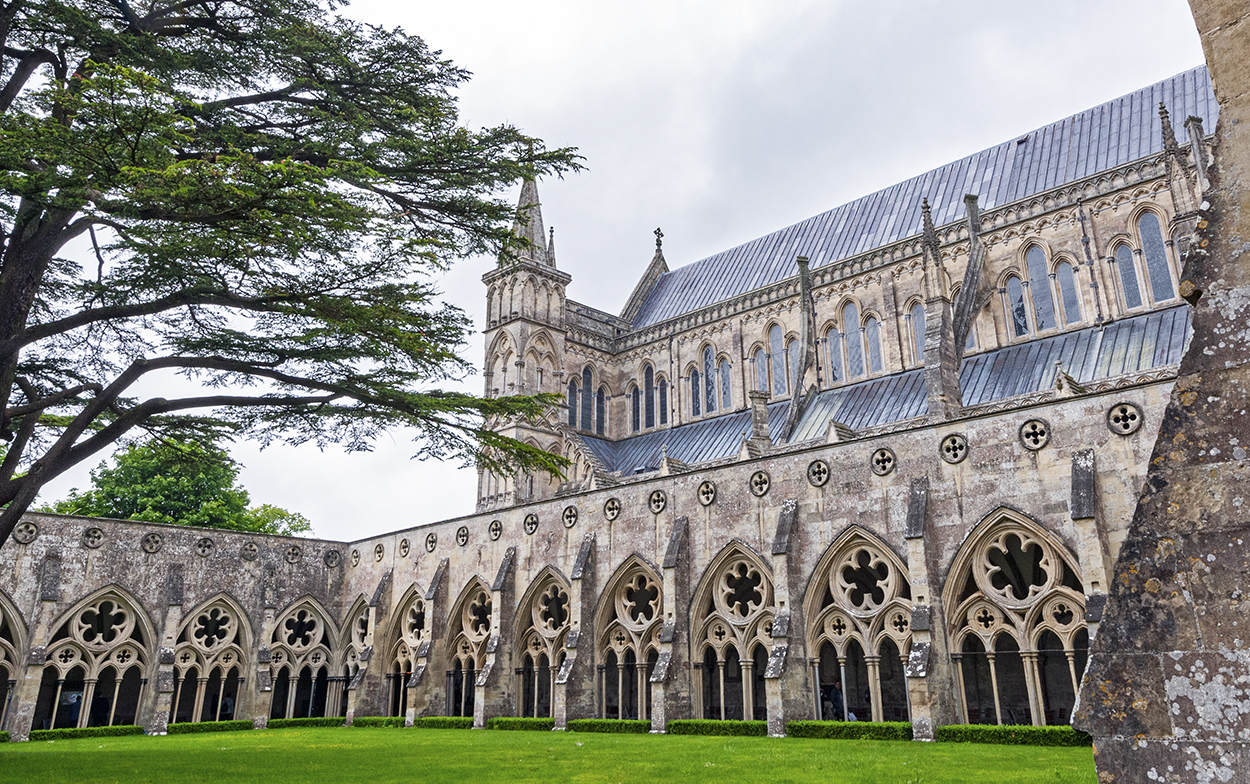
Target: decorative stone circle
(707,492)
(882,461)
(431,541)
(379,550)
(531,523)
(355,557)
(954,448)
(818,473)
(462,535)
(1124,418)
(404,547)
(249,551)
(92,537)
(152,542)
(612,509)
(204,547)
(333,558)
(293,554)
(25,533)
(657,501)
(1035,434)
(569,518)
(760,482)
(495,529)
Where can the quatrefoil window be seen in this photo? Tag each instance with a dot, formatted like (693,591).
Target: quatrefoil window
(570,516)
(300,628)
(479,614)
(1034,434)
(760,483)
(707,492)
(414,624)
(531,523)
(431,541)
(102,623)
(213,627)
(404,547)
(954,448)
(641,598)
(611,509)
(818,473)
(495,529)
(882,461)
(462,535)
(554,604)
(1018,567)
(657,501)
(866,580)
(93,537)
(743,595)
(1124,418)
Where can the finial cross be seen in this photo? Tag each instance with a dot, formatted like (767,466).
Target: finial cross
(659,239)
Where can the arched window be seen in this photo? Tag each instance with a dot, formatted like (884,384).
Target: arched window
(760,360)
(917,332)
(854,341)
(1039,288)
(726,386)
(635,409)
(695,391)
(572,403)
(1017,316)
(1156,257)
(630,616)
(664,401)
(833,346)
(777,348)
(600,411)
(793,360)
(1069,300)
(709,379)
(586,381)
(540,647)
(872,337)
(1128,277)
(648,381)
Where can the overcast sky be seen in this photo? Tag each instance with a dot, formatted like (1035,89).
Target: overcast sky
(719,121)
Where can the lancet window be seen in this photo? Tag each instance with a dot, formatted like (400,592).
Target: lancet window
(648,378)
(663,401)
(1018,625)
(586,400)
(411,630)
(544,622)
(859,624)
(209,663)
(635,409)
(836,369)
(96,666)
(917,332)
(1039,289)
(1069,298)
(470,631)
(1158,270)
(1130,290)
(1017,315)
(601,411)
(731,637)
(631,615)
(777,350)
(301,662)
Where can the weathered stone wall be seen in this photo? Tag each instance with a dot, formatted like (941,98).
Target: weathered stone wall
(1165,694)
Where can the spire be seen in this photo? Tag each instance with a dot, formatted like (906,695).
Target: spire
(1169,136)
(529,223)
(551,246)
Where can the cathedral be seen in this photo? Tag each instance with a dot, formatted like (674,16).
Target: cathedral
(874,466)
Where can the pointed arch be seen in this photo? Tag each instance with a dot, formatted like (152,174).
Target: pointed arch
(628,619)
(12,639)
(540,630)
(210,659)
(468,629)
(1016,617)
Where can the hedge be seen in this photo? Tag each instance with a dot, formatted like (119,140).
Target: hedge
(87,732)
(188,727)
(378,721)
(850,730)
(1013,735)
(527,723)
(4,737)
(715,727)
(316,721)
(445,723)
(632,726)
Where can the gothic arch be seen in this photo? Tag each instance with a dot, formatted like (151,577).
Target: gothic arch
(12,640)
(469,628)
(628,620)
(1016,616)
(210,659)
(540,630)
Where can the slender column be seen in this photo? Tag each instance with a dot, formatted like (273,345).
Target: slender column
(846,698)
(902,662)
(56,703)
(1076,686)
(698,689)
(874,686)
(815,664)
(963,691)
(291,682)
(1033,682)
(640,675)
(221,697)
(620,683)
(467,680)
(748,689)
(537,680)
(117,684)
(200,684)
(84,703)
(173,716)
(552,670)
(998,708)
(720,669)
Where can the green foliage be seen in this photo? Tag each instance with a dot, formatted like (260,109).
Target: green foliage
(523,723)
(756,729)
(850,730)
(444,723)
(378,721)
(315,721)
(1013,735)
(4,737)
(264,191)
(178,481)
(190,727)
(87,732)
(623,726)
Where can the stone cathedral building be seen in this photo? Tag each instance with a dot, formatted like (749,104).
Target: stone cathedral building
(891,450)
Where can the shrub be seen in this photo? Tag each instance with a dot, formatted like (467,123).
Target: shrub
(87,732)
(1013,735)
(317,721)
(445,723)
(632,726)
(531,724)
(850,730)
(4,737)
(378,721)
(188,727)
(714,727)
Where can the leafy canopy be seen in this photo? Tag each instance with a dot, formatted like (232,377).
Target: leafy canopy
(183,482)
(252,194)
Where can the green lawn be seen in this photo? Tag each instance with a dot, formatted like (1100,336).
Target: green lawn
(322,756)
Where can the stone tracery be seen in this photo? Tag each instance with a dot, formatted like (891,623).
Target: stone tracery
(469,632)
(302,660)
(543,622)
(209,662)
(630,617)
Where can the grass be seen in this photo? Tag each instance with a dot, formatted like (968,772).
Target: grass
(318,755)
